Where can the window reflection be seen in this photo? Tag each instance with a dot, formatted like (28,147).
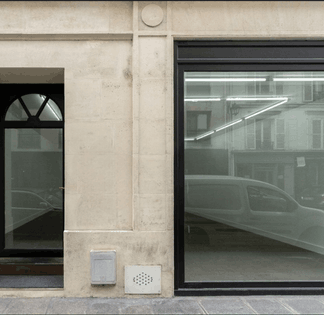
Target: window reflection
(33,200)
(261,132)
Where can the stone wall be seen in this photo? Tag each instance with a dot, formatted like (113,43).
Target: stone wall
(117,60)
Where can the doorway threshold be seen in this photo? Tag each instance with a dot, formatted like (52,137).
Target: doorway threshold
(31,272)
(31,281)
(42,266)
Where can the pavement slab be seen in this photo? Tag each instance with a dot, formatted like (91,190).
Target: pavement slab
(4,302)
(104,306)
(137,309)
(27,306)
(177,306)
(136,306)
(226,306)
(305,305)
(266,306)
(68,306)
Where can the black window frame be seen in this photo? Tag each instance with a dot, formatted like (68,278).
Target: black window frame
(9,93)
(232,56)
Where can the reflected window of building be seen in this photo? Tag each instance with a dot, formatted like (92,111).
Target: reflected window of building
(197,122)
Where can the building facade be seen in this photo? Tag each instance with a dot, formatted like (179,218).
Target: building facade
(89,117)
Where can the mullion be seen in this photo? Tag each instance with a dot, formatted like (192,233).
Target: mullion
(42,106)
(24,107)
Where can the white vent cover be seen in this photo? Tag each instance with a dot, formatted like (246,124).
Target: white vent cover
(143,279)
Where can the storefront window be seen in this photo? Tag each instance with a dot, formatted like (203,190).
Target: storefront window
(254,176)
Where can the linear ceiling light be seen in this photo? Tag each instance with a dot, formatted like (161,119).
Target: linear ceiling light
(256,98)
(52,110)
(216,130)
(298,79)
(50,107)
(266,109)
(205,135)
(202,99)
(229,125)
(225,79)
(282,99)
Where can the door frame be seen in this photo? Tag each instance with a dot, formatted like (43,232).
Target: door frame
(8,93)
(231,56)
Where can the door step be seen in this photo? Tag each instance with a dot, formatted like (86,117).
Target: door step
(31,266)
(31,281)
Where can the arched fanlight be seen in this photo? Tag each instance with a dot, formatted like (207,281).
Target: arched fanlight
(33,107)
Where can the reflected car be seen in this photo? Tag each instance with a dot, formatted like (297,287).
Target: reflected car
(257,207)
(312,197)
(54,196)
(25,206)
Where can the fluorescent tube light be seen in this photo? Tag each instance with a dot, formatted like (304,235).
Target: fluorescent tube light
(266,109)
(298,79)
(216,130)
(50,107)
(202,99)
(229,125)
(189,139)
(225,79)
(256,98)
(205,135)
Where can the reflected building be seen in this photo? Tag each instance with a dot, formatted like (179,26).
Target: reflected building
(237,127)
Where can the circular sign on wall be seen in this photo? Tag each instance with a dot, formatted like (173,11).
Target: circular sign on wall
(152,15)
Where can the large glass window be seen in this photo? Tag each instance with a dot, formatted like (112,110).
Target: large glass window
(254,176)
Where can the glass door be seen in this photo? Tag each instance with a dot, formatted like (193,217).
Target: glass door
(33,198)
(33,216)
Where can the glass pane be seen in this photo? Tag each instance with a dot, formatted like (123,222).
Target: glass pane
(33,102)
(33,200)
(51,112)
(254,176)
(16,112)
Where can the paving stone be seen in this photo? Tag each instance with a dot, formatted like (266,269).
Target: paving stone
(225,306)
(137,306)
(4,302)
(137,309)
(305,306)
(68,306)
(28,306)
(267,306)
(176,306)
(104,306)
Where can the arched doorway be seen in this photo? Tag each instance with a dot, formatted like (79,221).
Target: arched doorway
(32,195)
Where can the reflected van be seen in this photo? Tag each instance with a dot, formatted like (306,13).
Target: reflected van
(256,207)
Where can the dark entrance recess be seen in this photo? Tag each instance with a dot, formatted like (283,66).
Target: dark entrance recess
(32,198)
(197,58)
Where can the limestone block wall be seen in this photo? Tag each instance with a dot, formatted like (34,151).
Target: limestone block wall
(116,61)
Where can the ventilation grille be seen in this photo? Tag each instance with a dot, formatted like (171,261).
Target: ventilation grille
(143,279)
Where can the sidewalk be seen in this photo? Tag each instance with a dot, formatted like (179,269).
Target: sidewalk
(176,305)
